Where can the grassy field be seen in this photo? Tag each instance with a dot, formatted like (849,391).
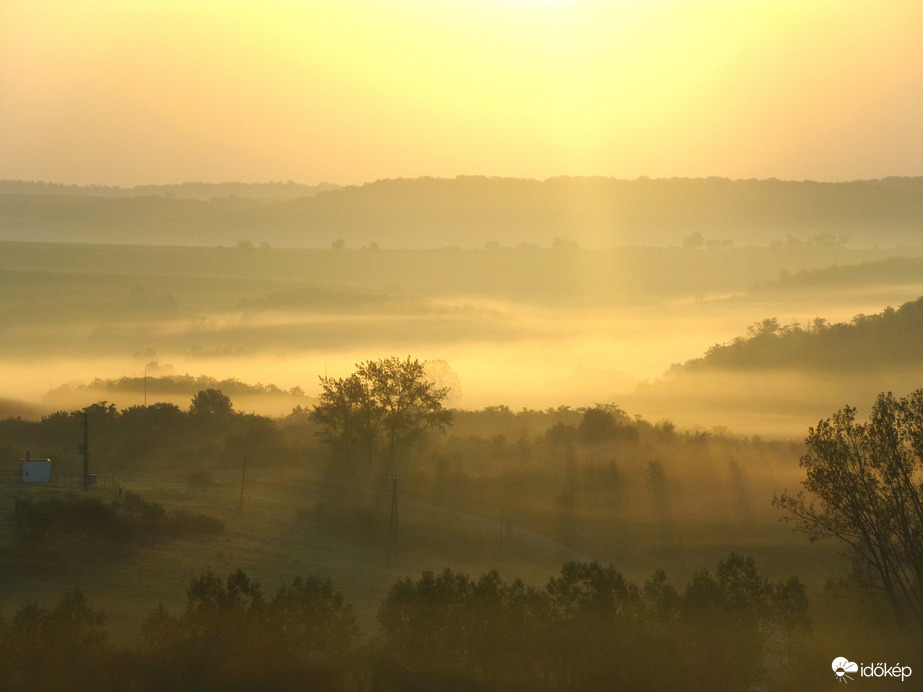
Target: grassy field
(286,526)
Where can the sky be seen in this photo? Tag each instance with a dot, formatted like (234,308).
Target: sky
(131,92)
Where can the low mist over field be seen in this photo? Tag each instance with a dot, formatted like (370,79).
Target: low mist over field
(528,326)
(461,346)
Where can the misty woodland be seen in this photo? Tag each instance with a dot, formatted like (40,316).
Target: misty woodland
(461,346)
(476,466)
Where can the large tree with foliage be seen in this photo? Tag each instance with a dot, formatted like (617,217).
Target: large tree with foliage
(346,416)
(386,405)
(211,404)
(866,489)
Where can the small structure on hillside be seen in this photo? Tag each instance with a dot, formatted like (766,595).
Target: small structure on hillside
(34,470)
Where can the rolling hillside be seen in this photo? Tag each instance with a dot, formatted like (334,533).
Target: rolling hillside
(472,211)
(779,379)
(867,344)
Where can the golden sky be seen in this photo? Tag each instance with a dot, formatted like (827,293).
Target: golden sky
(127,92)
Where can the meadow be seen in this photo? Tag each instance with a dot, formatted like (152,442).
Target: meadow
(654,498)
(532,503)
(679,346)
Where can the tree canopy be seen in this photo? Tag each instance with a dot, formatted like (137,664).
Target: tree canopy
(385,406)
(864,481)
(868,343)
(211,403)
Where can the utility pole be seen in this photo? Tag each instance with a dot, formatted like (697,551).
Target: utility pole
(392,530)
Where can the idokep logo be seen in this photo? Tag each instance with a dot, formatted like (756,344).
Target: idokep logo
(843,666)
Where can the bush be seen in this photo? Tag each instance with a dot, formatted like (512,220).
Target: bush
(119,523)
(64,648)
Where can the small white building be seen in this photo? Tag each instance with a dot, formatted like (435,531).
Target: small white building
(35,470)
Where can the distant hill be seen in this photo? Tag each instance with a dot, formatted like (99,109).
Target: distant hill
(779,379)
(890,271)
(474,211)
(202,191)
(869,343)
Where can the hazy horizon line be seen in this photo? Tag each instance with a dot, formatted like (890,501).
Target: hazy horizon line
(289,181)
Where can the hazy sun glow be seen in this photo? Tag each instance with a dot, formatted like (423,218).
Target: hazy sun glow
(126,93)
